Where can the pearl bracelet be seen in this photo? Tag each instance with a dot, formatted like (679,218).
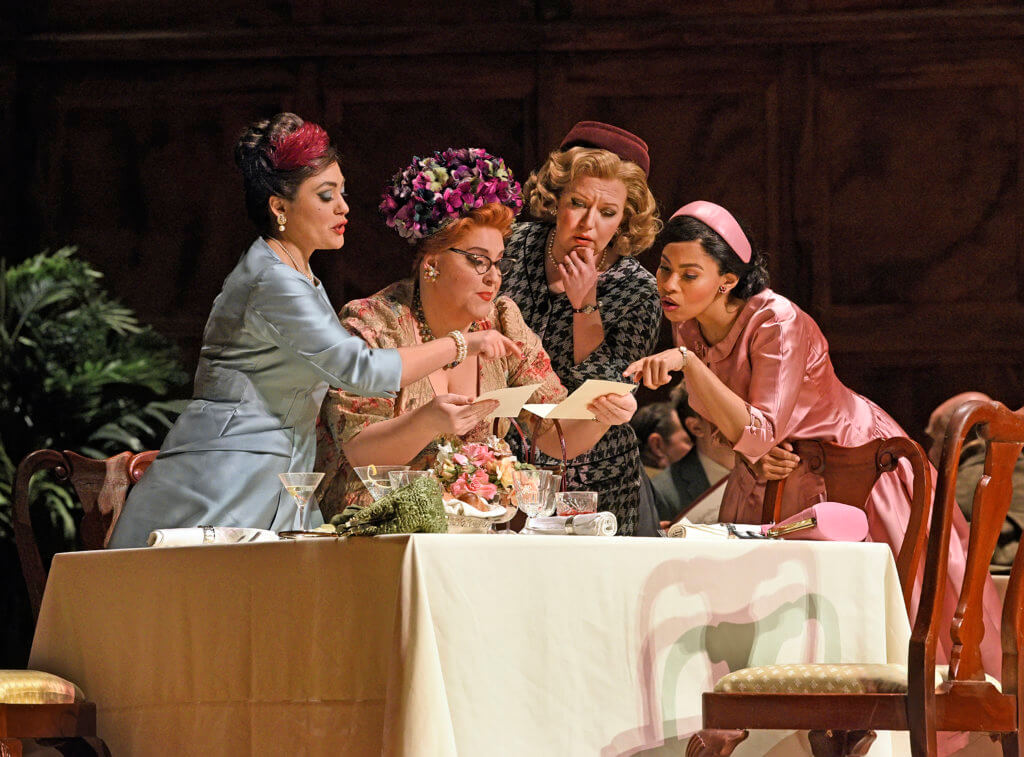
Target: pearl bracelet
(686,354)
(460,348)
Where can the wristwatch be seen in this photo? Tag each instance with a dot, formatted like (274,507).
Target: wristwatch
(586,309)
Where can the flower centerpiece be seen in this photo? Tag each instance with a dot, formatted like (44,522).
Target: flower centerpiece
(477,476)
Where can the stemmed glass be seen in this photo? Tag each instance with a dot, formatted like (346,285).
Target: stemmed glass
(377,478)
(301,486)
(531,488)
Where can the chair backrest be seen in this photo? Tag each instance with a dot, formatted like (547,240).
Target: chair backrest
(850,473)
(101,486)
(1003,433)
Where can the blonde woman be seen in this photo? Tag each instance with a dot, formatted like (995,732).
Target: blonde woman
(580,287)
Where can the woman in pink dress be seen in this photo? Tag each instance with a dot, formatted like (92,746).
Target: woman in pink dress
(757,367)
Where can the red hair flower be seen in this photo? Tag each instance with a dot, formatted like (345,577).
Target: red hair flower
(301,148)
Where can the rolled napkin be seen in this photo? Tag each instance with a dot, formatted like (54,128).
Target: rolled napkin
(584,524)
(188,537)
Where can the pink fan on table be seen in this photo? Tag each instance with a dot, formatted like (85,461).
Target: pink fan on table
(825,521)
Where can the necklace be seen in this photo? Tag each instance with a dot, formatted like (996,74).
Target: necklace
(551,257)
(421,318)
(307,273)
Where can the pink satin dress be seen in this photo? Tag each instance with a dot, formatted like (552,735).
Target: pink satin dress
(776,358)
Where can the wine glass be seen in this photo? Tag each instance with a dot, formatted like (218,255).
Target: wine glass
(301,486)
(531,488)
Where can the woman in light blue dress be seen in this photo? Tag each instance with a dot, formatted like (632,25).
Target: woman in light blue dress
(271,348)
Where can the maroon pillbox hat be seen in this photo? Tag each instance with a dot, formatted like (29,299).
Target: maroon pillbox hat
(626,145)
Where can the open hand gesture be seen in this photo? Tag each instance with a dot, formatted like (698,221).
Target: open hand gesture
(457,414)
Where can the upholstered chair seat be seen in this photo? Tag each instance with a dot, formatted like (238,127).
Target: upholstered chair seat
(36,687)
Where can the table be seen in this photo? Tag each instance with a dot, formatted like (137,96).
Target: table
(451,644)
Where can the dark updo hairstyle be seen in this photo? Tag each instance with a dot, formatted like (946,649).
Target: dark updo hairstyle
(255,156)
(751,277)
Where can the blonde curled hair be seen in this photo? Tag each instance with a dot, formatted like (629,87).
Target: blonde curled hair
(640,222)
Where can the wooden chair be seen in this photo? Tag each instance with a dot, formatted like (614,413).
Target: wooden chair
(101,486)
(36,705)
(894,697)
(850,473)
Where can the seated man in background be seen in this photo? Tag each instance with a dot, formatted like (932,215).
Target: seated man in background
(970,469)
(663,440)
(693,485)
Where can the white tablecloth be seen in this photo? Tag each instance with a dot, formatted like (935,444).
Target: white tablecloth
(451,644)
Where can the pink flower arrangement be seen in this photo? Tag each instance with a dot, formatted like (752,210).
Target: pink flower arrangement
(479,483)
(474,472)
(432,191)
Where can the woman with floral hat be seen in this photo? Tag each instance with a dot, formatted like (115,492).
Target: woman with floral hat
(456,207)
(580,286)
(271,347)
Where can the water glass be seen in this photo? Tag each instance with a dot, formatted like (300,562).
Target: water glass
(554,486)
(531,488)
(575,503)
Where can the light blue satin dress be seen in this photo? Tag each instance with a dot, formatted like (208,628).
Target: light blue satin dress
(272,346)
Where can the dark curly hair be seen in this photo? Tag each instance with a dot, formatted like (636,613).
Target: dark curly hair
(261,179)
(752,277)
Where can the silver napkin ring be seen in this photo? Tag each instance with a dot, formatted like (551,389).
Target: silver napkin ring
(569,527)
(209,534)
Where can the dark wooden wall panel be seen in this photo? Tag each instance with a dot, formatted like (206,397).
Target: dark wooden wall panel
(382,116)
(874,147)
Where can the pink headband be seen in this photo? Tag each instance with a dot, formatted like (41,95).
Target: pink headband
(721,222)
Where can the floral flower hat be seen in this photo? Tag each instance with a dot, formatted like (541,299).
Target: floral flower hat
(432,192)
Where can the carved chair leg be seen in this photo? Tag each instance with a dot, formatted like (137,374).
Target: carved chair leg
(10,747)
(714,743)
(840,743)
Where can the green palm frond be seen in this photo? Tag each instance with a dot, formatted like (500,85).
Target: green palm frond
(80,373)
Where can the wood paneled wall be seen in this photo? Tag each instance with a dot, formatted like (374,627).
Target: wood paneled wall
(874,147)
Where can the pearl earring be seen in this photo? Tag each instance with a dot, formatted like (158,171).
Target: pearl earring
(281,221)
(430,273)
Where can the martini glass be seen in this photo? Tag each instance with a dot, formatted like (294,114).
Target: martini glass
(301,486)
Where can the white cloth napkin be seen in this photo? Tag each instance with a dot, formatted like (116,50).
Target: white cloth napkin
(187,537)
(584,524)
(684,529)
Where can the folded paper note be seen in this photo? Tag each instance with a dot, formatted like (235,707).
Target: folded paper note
(575,405)
(511,400)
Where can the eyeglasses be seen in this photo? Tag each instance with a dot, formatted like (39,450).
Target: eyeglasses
(482,264)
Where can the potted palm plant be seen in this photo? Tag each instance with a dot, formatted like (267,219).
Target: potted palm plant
(81,373)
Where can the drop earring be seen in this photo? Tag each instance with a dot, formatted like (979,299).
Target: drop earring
(430,273)
(281,221)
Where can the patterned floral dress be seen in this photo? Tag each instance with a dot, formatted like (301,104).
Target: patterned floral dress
(631,315)
(385,319)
